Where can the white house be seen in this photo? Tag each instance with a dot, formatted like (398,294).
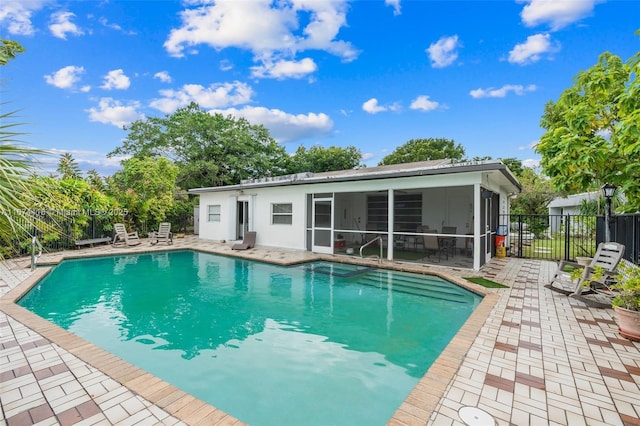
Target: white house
(569,205)
(410,204)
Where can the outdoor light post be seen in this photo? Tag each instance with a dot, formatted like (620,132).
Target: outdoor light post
(608,190)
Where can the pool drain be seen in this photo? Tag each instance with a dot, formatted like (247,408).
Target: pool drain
(473,416)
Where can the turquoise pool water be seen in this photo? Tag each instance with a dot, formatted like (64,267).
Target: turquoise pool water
(315,344)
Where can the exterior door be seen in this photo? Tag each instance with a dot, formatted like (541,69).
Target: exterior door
(243,219)
(322,230)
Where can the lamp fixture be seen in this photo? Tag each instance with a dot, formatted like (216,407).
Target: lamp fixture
(608,190)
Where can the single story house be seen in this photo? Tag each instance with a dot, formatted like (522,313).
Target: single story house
(457,205)
(569,205)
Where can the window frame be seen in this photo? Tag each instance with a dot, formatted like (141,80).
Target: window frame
(285,214)
(211,216)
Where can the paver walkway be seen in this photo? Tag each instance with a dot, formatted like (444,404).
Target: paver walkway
(534,357)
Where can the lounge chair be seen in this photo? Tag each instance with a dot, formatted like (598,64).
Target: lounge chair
(607,257)
(434,245)
(123,237)
(248,242)
(162,234)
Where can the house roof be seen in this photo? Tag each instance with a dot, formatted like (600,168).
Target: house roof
(573,200)
(422,168)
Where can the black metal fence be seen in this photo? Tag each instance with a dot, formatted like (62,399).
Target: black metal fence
(566,237)
(625,229)
(56,233)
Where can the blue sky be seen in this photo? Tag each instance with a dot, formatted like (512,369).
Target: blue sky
(372,74)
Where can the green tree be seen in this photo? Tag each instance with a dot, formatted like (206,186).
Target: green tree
(514,165)
(8,50)
(593,130)
(424,150)
(145,187)
(318,159)
(68,167)
(535,196)
(209,149)
(68,206)
(95,180)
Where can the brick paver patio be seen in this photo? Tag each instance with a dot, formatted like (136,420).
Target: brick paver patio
(527,356)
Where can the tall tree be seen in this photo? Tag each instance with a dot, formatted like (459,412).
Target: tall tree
(318,159)
(593,130)
(210,149)
(535,196)
(68,167)
(424,150)
(145,187)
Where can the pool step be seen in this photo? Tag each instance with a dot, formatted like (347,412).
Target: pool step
(336,269)
(419,285)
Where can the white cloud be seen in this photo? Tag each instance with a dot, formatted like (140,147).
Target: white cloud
(111,111)
(557,13)
(284,69)
(163,76)
(215,96)
(367,156)
(372,107)
(65,78)
(15,15)
(424,103)
(116,27)
(532,163)
(444,52)
(266,28)
(491,92)
(61,25)
(116,79)
(395,4)
(531,50)
(226,65)
(283,126)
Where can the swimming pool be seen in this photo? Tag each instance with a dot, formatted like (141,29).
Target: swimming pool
(318,343)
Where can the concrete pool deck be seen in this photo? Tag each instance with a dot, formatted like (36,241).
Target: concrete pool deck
(527,356)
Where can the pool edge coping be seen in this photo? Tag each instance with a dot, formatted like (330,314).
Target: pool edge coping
(417,407)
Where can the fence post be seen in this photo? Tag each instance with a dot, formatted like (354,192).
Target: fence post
(520,235)
(567,237)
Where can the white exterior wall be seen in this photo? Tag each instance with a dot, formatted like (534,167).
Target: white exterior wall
(279,235)
(445,196)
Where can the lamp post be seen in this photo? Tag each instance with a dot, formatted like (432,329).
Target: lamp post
(608,190)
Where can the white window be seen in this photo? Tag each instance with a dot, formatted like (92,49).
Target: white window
(282,214)
(214,213)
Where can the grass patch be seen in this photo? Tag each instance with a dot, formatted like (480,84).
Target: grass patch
(485,282)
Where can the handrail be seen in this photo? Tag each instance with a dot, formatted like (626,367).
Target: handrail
(34,258)
(371,242)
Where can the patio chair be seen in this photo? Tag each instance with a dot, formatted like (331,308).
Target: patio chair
(162,234)
(249,241)
(121,236)
(607,257)
(450,242)
(434,245)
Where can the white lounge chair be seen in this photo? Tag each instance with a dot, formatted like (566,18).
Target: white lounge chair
(607,257)
(123,237)
(162,234)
